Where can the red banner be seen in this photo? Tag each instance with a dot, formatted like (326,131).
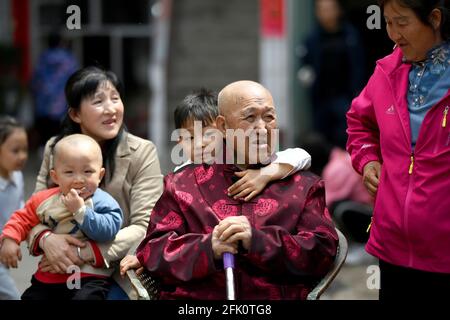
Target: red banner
(272,18)
(21,18)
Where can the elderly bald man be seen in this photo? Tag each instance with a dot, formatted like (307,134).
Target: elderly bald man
(247,107)
(283,239)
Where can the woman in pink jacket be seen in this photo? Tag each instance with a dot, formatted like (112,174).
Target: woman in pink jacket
(399,140)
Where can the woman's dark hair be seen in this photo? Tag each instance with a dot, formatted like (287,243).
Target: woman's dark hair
(83,84)
(200,105)
(423,8)
(7,126)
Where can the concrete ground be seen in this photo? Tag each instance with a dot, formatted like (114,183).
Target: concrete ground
(350,283)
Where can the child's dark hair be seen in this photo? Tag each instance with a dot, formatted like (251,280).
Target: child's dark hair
(200,105)
(423,8)
(7,126)
(83,84)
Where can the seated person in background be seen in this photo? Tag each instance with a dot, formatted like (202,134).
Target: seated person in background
(283,239)
(201,107)
(76,207)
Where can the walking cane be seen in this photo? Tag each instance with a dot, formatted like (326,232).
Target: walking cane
(228,265)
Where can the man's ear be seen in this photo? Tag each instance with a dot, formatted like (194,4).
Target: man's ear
(54,176)
(73,114)
(221,124)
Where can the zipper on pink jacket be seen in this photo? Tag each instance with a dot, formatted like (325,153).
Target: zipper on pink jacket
(407,201)
(411,166)
(410,185)
(444,119)
(443,125)
(370,225)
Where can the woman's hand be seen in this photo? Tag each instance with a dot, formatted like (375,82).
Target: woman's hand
(371,176)
(61,252)
(130,262)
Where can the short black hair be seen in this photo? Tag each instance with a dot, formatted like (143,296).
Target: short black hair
(200,105)
(423,8)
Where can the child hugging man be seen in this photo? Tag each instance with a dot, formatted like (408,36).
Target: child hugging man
(76,207)
(201,106)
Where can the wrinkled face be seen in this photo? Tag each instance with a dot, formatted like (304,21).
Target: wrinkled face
(253,114)
(101,115)
(413,37)
(81,170)
(13,152)
(196,139)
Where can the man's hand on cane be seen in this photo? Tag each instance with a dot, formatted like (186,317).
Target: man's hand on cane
(219,247)
(233,229)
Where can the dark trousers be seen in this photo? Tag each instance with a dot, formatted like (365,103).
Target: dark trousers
(90,289)
(352,218)
(399,283)
(329,119)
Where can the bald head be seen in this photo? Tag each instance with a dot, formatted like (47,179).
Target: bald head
(239,94)
(248,120)
(77,144)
